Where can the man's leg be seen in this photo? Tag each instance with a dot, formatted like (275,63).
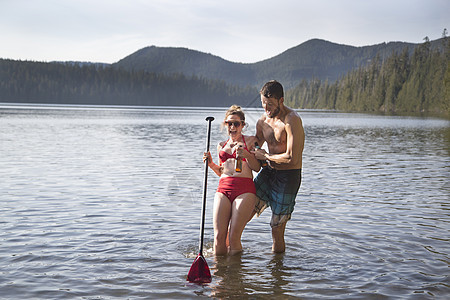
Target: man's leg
(279,245)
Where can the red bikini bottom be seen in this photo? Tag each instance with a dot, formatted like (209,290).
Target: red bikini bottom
(232,187)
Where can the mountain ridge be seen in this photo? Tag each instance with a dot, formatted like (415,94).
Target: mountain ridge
(395,81)
(315,58)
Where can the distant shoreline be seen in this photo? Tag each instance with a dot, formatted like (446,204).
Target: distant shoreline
(18,105)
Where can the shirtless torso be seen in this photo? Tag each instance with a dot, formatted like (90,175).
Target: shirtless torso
(285,138)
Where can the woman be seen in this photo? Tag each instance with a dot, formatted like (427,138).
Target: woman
(235,198)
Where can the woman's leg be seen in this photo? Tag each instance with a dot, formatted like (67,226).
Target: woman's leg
(241,210)
(221,219)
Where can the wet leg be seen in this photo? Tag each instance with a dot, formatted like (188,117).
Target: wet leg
(221,219)
(241,212)
(279,245)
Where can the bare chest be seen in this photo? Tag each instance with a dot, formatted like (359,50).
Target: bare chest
(275,133)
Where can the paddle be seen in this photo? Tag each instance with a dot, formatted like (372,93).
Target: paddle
(199,271)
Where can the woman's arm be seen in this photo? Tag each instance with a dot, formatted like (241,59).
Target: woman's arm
(253,163)
(207,155)
(217,169)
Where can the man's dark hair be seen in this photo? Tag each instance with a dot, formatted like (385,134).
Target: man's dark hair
(272,89)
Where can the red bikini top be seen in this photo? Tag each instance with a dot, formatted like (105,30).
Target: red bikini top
(223,156)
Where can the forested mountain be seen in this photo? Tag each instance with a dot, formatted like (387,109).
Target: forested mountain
(69,83)
(392,77)
(402,82)
(313,59)
(171,61)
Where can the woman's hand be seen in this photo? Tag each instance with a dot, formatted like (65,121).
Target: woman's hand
(240,151)
(207,156)
(217,169)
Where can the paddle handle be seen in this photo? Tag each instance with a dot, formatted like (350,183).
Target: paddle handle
(205,181)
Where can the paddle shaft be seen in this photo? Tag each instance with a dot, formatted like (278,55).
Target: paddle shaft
(205,181)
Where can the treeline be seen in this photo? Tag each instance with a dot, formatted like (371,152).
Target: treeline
(407,81)
(69,83)
(413,83)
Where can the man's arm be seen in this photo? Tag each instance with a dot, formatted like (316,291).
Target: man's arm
(259,132)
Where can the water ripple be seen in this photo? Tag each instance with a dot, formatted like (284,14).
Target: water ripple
(105,203)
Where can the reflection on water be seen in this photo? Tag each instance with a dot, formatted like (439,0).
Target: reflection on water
(235,278)
(229,278)
(105,203)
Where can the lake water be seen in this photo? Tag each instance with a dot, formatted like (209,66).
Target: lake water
(105,203)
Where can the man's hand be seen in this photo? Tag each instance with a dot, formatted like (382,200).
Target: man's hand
(260,154)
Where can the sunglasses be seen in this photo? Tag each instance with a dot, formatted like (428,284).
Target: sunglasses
(235,123)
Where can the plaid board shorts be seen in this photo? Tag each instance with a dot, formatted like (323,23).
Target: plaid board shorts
(277,189)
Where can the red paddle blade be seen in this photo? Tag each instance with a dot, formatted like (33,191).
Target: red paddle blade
(199,271)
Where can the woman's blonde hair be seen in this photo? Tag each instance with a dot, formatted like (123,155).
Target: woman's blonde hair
(235,110)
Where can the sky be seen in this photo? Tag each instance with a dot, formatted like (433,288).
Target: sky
(236,30)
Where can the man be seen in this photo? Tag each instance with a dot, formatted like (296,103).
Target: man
(277,185)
